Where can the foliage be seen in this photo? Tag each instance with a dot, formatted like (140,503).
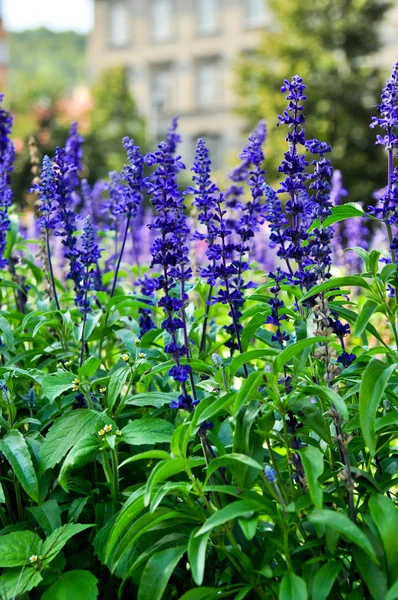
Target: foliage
(330,43)
(114,116)
(167,433)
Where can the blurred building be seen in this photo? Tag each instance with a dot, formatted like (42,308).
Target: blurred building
(4,51)
(180,55)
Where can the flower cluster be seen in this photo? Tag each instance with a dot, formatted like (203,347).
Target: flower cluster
(388,120)
(170,253)
(7,154)
(74,154)
(86,266)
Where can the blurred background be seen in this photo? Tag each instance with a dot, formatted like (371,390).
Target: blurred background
(125,67)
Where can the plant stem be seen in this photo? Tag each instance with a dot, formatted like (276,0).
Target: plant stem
(202,346)
(50,267)
(84,325)
(121,253)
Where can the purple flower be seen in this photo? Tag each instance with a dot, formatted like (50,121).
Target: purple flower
(173,138)
(388,120)
(74,153)
(86,265)
(7,154)
(170,251)
(47,193)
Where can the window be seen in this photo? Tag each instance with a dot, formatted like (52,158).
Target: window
(118,24)
(207,16)
(161,88)
(207,83)
(161,20)
(255,13)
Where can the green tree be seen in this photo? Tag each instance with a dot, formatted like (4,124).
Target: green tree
(330,44)
(114,116)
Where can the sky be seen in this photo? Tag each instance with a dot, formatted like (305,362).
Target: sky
(55,14)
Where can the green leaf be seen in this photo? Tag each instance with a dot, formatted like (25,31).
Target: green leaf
(248,391)
(293,588)
(162,471)
(14,447)
(294,349)
(87,370)
(73,585)
(336,282)
(367,311)
(374,381)
(64,434)
(17,546)
(373,575)
(48,515)
(156,399)
(150,454)
(342,212)
(147,431)
(329,394)
(251,327)
(116,384)
(241,508)
(197,555)
(16,582)
(83,452)
(231,459)
(57,540)
(203,593)
(56,383)
(76,508)
(385,515)
(157,573)
(313,466)
(248,356)
(341,523)
(392,593)
(324,580)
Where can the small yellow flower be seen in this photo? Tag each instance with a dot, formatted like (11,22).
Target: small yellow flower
(76,381)
(102,390)
(142,355)
(68,363)
(118,432)
(34,558)
(137,341)
(75,387)
(125,357)
(108,428)
(101,432)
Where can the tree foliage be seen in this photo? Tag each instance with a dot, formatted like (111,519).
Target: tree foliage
(330,43)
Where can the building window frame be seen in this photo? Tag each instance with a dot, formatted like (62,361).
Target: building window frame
(169,35)
(126,40)
(257,20)
(213,103)
(202,31)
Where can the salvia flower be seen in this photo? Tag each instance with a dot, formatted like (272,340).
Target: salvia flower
(319,249)
(294,166)
(173,138)
(7,154)
(270,473)
(170,253)
(387,119)
(47,193)
(74,153)
(86,264)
